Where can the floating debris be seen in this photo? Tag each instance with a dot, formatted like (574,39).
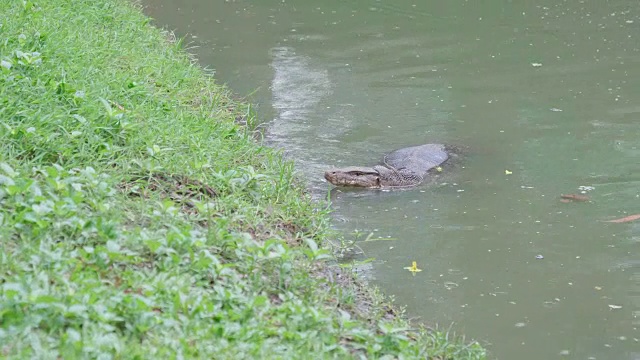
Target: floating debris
(566,198)
(625,219)
(539,257)
(449,285)
(555,109)
(508,172)
(413,268)
(536,64)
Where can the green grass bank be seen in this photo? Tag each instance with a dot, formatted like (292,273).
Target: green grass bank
(140,219)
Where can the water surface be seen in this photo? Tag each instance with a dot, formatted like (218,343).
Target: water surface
(546,99)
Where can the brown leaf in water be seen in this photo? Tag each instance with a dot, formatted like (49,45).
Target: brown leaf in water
(574,197)
(625,219)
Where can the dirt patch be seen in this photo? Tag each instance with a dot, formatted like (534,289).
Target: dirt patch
(178,188)
(367,303)
(290,232)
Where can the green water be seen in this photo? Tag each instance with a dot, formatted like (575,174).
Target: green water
(549,92)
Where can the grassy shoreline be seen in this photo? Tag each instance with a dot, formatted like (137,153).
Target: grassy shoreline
(139,219)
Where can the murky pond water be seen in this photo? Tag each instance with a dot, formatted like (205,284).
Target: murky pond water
(545,98)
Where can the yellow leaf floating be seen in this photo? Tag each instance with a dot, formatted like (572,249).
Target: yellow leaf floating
(413,268)
(507,172)
(438,169)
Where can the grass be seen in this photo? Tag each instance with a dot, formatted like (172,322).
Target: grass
(139,218)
